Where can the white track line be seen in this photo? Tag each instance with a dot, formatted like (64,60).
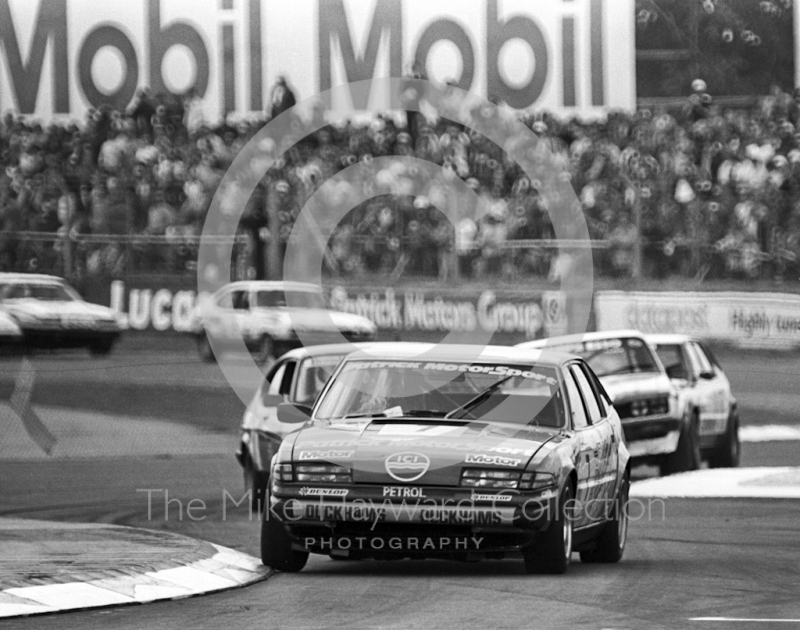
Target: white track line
(744,619)
(770,433)
(755,483)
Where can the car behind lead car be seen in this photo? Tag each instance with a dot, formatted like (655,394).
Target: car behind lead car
(700,380)
(659,428)
(298,376)
(460,453)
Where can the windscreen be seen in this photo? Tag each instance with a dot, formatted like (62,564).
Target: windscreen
(46,292)
(314,373)
(491,392)
(607,357)
(670,355)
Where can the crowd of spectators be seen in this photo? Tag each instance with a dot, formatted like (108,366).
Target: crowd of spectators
(714,191)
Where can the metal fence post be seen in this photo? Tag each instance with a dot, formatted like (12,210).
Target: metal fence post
(637,248)
(272,250)
(67,256)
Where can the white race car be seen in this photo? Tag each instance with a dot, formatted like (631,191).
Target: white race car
(296,377)
(660,429)
(259,312)
(700,380)
(51,314)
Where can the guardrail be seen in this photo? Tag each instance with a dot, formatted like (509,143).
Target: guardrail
(75,255)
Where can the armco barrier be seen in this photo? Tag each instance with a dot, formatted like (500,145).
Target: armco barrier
(754,320)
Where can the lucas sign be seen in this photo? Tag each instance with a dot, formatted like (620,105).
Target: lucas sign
(60,57)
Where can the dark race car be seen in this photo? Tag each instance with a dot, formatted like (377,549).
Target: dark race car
(461,453)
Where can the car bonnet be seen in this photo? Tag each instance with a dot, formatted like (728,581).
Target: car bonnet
(413,451)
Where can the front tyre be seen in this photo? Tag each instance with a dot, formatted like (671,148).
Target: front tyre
(276,546)
(265,350)
(551,552)
(256,483)
(204,349)
(610,544)
(728,453)
(687,455)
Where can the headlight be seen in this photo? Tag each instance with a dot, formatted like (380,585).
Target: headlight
(537,481)
(507,479)
(321,473)
(486,478)
(644,407)
(282,472)
(26,318)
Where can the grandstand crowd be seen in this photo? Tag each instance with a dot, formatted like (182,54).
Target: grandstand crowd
(716,191)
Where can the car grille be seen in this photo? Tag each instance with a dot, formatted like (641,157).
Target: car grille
(643,407)
(354,335)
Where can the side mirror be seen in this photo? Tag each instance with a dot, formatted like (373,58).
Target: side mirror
(676,371)
(706,376)
(271,400)
(293,413)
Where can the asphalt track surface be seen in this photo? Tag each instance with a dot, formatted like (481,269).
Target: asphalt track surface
(688,561)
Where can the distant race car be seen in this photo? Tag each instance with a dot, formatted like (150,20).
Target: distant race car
(257,311)
(297,377)
(51,314)
(659,428)
(700,379)
(461,453)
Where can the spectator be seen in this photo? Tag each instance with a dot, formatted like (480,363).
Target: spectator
(281,98)
(193,113)
(413,92)
(143,111)
(715,189)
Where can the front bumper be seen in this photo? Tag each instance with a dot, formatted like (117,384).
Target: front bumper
(360,522)
(651,435)
(67,338)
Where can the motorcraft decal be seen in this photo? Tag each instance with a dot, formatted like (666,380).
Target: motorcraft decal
(305,455)
(491,460)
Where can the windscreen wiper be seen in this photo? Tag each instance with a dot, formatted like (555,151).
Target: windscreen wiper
(477,400)
(380,414)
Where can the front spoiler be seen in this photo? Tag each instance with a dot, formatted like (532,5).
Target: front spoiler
(522,512)
(656,446)
(651,435)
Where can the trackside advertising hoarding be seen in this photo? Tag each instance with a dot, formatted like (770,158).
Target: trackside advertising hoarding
(522,315)
(167,305)
(60,57)
(757,320)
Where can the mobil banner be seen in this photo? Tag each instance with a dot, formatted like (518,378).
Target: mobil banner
(759,320)
(62,57)
(519,314)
